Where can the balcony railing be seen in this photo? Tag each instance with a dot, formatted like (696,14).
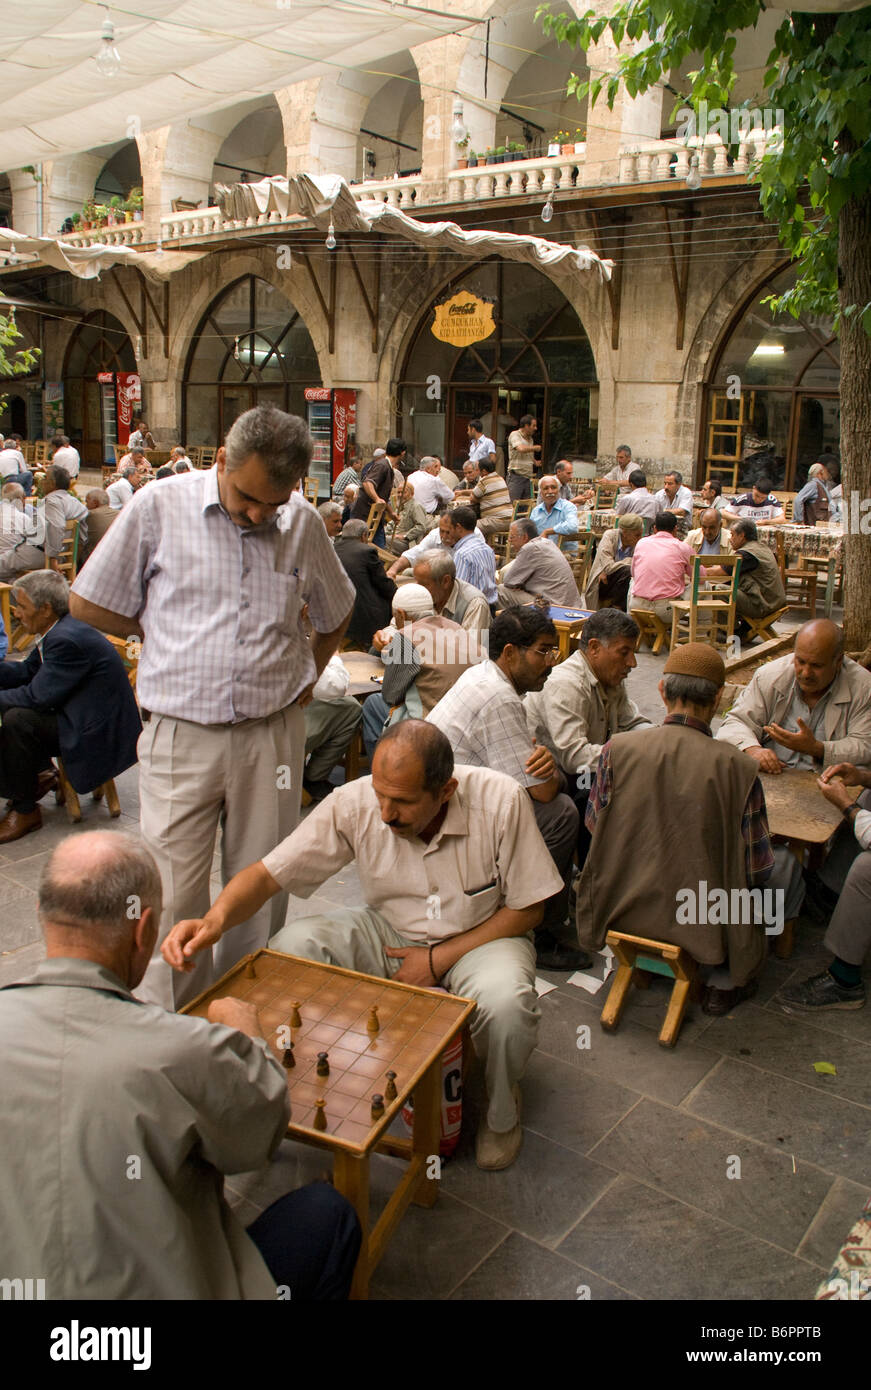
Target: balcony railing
(656,161)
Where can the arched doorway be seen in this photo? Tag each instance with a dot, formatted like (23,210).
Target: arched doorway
(773,403)
(538,361)
(251,348)
(99,344)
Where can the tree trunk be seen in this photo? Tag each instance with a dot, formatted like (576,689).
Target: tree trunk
(854,257)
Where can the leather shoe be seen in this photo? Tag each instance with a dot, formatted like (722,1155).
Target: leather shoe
(722,1001)
(494,1151)
(18,823)
(46,782)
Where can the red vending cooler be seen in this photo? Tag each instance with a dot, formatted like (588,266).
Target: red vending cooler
(332,420)
(120,399)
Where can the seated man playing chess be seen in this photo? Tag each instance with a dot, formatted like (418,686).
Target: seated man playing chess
(454,877)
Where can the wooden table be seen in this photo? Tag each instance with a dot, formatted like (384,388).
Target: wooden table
(569,623)
(799,814)
(414,1028)
(361,667)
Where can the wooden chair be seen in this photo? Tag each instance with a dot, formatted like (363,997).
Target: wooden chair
(208,453)
(764,627)
(373,520)
(522,508)
(800,582)
(68,558)
(310,490)
(582,561)
(66,795)
(637,953)
(708,615)
(653,630)
(606,495)
(41,449)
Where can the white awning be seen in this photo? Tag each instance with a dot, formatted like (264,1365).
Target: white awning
(325,199)
(179,59)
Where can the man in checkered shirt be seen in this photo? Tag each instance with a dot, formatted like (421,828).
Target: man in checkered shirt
(212,572)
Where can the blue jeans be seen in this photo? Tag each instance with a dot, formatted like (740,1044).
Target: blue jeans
(376,712)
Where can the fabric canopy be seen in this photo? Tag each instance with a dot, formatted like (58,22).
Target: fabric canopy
(323,199)
(180,58)
(87,262)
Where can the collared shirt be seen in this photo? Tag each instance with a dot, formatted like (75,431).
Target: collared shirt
(640,501)
(11,462)
(562,518)
(683,499)
(482,716)
(541,568)
(714,547)
(476,564)
(574,714)
(481,448)
(758,854)
(119,494)
(93,1080)
(809,493)
(487,854)
(815,720)
(619,474)
(20,525)
(520,455)
(219,606)
(58,508)
(492,493)
(68,458)
(467,606)
(429,490)
(661,566)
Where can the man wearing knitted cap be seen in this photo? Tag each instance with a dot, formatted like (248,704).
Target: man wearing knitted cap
(423,654)
(701,817)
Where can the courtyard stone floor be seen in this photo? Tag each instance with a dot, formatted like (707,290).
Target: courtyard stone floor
(622,1187)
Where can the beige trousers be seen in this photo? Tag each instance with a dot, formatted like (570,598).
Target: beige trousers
(193,778)
(500,976)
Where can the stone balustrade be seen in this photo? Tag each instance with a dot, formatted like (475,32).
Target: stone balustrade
(124,234)
(672,159)
(543,175)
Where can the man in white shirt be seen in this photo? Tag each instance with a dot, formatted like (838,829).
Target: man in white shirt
(331,721)
(121,491)
(65,455)
(13,465)
(623,469)
(453,874)
(22,533)
(212,571)
(480,447)
(674,497)
(429,490)
(178,457)
(638,500)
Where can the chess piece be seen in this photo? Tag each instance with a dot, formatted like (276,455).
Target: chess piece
(250,972)
(372,1025)
(323,1067)
(377,1106)
(295,1020)
(287,1057)
(390,1092)
(320,1121)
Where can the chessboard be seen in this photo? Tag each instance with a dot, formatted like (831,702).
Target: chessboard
(354,1046)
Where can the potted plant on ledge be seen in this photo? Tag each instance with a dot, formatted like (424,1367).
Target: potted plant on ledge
(580,140)
(553,145)
(87,215)
(482,160)
(134,203)
(462,157)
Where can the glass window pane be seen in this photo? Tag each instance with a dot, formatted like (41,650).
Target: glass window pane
(569,431)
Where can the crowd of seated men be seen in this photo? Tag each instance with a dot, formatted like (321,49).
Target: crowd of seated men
(503,784)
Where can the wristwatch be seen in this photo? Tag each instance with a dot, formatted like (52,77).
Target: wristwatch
(848,810)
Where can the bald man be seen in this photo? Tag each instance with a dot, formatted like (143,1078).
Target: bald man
(454,875)
(119,1118)
(810,709)
(709,538)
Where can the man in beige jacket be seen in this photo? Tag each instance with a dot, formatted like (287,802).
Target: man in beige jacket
(807,710)
(608,584)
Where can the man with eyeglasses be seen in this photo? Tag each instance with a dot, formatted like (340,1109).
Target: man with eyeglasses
(483,718)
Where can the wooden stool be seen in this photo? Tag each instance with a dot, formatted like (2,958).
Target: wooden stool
(68,796)
(661,957)
(763,627)
(653,629)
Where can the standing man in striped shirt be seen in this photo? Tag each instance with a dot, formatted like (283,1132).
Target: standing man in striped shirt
(212,572)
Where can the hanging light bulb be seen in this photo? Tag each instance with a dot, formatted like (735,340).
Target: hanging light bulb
(330,242)
(236,348)
(547,210)
(107,57)
(694,177)
(458,129)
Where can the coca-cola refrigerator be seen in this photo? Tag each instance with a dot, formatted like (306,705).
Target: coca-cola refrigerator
(120,399)
(332,421)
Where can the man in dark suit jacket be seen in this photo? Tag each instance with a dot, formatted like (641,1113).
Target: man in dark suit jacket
(366,572)
(71,696)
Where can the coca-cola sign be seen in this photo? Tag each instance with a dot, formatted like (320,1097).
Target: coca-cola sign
(344,427)
(317,393)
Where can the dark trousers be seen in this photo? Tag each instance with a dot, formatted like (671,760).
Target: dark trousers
(558,822)
(518,487)
(28,742)
(379,538)
(580,796)
(310,1240)
(614,589)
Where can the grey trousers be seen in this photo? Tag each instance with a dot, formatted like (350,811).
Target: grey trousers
(518,486)
(513,598)
(849,932)
(500,976)
(193,778)
(26,557)
(329,727)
